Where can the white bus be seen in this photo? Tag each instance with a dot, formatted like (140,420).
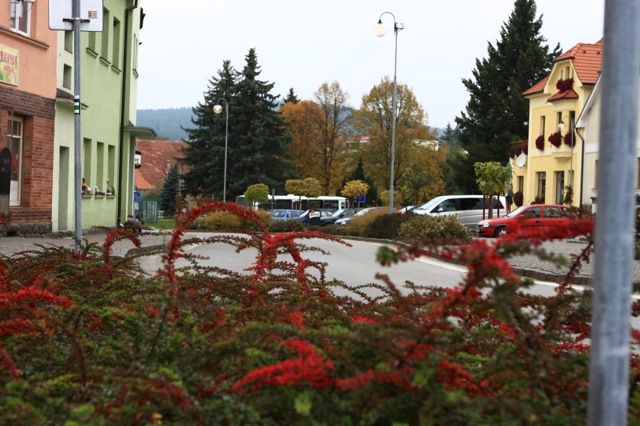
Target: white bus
(298,203)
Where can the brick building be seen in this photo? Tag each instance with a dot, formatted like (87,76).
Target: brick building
(27,113)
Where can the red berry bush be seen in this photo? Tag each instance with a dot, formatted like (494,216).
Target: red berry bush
(90,339)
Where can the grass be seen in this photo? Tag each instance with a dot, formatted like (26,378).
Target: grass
(166,223)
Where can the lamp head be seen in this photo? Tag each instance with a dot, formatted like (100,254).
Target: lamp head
(217,109)
(561,125)
(379,30)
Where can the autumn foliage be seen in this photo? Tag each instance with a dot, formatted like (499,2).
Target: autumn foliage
(89,338)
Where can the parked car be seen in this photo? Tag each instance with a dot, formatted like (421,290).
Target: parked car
(534,215)
(312,216)
(347,220)
(285,214)
(468,208)
(339,214)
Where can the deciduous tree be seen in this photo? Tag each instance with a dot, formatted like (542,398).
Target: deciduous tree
(375,118)
(257,193)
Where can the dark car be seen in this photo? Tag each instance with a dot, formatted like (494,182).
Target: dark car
(312,216)
(534,215)
(285,214)
(339,214)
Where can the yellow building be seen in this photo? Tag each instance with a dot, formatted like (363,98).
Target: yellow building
(549,164)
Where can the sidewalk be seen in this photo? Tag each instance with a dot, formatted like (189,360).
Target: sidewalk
(11,245)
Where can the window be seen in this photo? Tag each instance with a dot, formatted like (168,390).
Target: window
(559,188)
(116,43)
(68,41)
(92,42)
(521,183)
(66,77)
(21,16)
(100,182)
(86,162)
(106,26)
(16,142)
(542,124)
(552,212)
(532,213)
(541,185)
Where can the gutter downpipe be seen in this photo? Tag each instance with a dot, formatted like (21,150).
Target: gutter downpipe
(581,165)
(125,73)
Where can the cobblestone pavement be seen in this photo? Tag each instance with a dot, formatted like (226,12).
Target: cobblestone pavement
(527,265)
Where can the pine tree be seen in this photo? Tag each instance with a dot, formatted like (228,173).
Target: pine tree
(204,154)
(497,113)
(170,189)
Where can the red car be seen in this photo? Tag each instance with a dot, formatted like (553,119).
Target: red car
(534,215)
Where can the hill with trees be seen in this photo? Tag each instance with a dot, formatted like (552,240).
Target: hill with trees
(167,123)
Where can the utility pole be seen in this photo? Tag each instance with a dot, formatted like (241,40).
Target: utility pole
(611,325)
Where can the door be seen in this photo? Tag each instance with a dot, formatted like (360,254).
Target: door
(63,190)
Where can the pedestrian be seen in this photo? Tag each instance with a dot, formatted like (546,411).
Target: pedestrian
(509,199)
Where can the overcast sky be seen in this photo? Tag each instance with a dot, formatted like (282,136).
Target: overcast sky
(302,44)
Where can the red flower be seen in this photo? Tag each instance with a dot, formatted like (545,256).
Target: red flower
(555,139)
(540,143)
(569,140)
(564,85)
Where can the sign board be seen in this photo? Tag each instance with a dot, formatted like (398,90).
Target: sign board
(61,11)
(9,65)
(361,199)
(137,196)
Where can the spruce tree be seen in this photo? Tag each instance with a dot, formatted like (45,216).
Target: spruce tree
(291,97)
(258,151)
(497,113)
(204,153)
(170,189)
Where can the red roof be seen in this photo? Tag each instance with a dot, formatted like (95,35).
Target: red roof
(587,61)
(157,157)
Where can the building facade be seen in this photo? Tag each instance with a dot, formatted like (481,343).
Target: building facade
(27,112)
(549,167)
(109,75)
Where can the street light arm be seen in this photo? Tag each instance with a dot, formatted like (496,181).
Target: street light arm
(380,30)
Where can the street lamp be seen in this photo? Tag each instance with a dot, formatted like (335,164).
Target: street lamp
(572,127)
(380,31)
(218,109)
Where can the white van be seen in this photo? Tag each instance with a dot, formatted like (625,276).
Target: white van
(468,208)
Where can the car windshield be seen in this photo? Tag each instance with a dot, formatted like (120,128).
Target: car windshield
(278,213)
(429,204)
(517,211)
(337,213)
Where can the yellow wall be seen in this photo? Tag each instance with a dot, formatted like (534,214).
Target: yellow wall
(553,161)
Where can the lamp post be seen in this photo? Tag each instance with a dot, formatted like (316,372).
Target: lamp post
(380,31)
(218,109)
(572,126)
